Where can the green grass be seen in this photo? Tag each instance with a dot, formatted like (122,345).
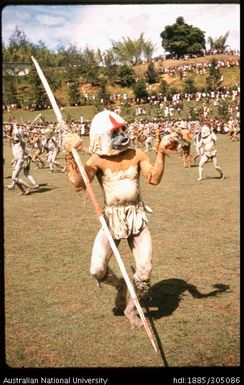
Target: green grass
(56,316)
(75,112)
(89,111)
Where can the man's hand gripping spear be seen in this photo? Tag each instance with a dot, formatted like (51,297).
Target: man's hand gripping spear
(72,146)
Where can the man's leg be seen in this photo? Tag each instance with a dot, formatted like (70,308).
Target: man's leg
(18,181)
(100,270)
(141,246)
(203,160)
(49,159)
(31,179)
(218,168)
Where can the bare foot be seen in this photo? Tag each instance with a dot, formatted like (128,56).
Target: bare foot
(130,313)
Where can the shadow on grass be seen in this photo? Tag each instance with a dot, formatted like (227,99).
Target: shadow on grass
(215,177)
(43,189)
(166,295)
(40,189)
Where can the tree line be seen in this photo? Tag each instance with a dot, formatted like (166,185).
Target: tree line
(73,67)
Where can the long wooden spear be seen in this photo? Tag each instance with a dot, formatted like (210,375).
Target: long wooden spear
(96,205)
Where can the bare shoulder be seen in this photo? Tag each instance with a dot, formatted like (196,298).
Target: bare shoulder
(94,161)
(141,155)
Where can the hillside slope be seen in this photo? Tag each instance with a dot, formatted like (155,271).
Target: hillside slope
(230,74)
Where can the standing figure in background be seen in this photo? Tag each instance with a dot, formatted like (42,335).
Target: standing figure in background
(36,142)
(21,161)
(52,148)
(208,150)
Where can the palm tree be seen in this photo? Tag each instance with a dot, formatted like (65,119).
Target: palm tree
(123,51)
(138,48)
(148,50)
(130,51)
(219,43)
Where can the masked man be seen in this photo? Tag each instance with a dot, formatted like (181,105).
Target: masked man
(117,167)
(21,162)
(208,151)
(52,147)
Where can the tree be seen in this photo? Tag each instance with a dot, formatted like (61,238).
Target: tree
(110,66)
(219,43)
(74,93)
(137,46)
(10,90)
(19,47)
(36,96)
(18,38)
(42,53)
(130,51)
(151,74)
(90,68)
(102,93)
(126,76)
(180,39)
(164,87)
(148,50)
(189,86)
(140,89)
(214,76)
(72,56)
(126,51)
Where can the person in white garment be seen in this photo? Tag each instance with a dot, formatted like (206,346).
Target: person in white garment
(118,167)
(20,162)
(196,140)
(52,148)
(207,149)
(36,143)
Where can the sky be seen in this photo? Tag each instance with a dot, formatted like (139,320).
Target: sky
(95,26)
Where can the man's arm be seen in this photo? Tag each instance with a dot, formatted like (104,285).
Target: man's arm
(74,174)
(72,140)
(154,173)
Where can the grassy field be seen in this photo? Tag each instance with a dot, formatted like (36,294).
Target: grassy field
(57,317)
(151,111)
(74,112)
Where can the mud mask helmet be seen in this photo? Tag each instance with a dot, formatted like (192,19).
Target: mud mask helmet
(108,135)
(119,136)
(17,132)
(205,131)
